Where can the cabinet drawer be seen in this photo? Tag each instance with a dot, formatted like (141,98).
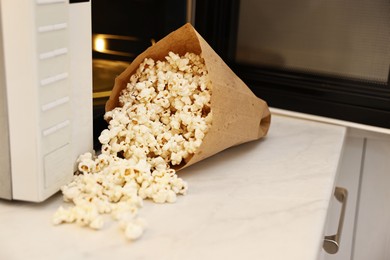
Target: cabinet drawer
(349,176)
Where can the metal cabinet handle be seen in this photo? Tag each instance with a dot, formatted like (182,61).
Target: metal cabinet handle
(332,243)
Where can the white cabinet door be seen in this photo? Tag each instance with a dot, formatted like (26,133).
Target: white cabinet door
(372,240)
(349,178)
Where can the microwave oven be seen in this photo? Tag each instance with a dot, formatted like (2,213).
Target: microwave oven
(45,94)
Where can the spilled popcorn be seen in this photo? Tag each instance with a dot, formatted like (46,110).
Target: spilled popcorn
(163,116)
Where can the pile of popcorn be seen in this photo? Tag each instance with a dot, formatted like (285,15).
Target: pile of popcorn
(163,116)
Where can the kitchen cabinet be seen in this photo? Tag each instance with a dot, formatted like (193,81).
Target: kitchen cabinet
(365,172)
(372,239)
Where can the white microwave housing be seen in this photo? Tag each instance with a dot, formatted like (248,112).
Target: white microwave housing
(45,95)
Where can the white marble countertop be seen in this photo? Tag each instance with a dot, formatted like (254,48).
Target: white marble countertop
(262,200)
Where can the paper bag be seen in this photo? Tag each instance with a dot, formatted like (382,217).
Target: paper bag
(238,115)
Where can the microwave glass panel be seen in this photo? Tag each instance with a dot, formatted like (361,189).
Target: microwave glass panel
(348,38)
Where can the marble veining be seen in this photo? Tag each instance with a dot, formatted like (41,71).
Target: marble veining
(266,199)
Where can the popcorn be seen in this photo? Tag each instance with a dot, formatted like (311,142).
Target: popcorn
(163,116)
(97,223)
(133,229)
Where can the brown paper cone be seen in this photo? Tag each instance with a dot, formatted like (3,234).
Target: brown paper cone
(238,115)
